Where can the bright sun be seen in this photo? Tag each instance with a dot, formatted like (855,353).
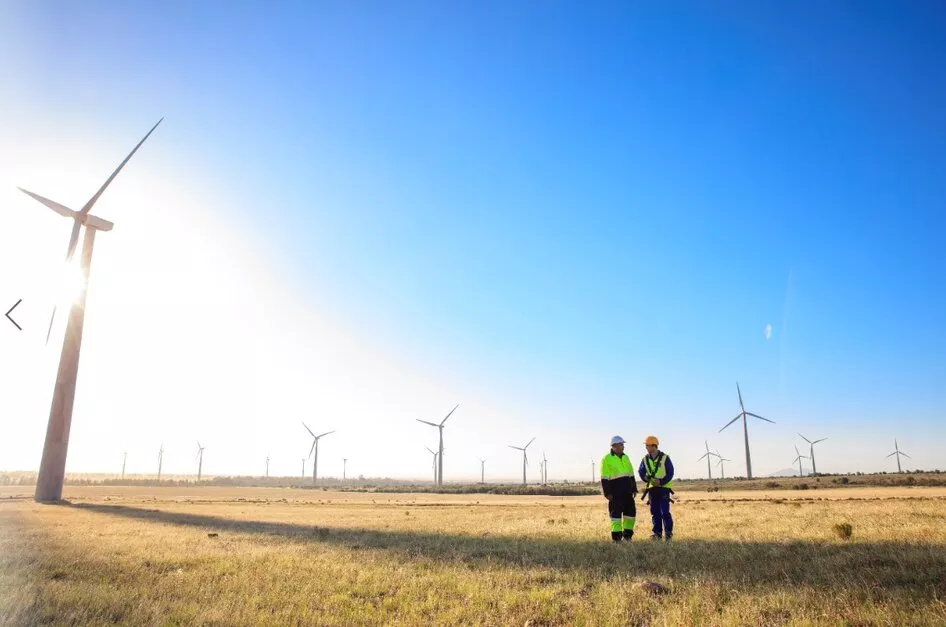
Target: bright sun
(66,284)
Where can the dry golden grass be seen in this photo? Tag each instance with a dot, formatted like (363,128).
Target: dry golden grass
(143,556)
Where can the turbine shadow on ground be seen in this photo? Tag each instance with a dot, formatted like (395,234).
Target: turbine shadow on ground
(768,564)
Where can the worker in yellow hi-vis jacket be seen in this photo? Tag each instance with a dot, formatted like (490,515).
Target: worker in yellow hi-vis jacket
(620,488)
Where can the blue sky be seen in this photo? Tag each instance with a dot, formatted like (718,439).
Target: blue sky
(586,213)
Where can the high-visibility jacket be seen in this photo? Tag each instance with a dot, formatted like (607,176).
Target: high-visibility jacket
(617,475)
(657,468)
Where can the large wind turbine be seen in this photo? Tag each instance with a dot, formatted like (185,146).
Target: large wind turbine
(52,467)
(798,459)
(200,459)
(707,454)
(439,479)
(525,458)
(315,449)
(898,453)
(745,428)
(811,451)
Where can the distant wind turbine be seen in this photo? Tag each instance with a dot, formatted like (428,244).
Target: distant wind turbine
(344,468)
(303,468)
(200,459)
(124,459)
(898,453)
(483,471)
(315,449)
(798,459)
(525,458)
(707,455)
(439,480)
(160,460)
(722,469)
(745,428)
(811,452)
(545,469)
(267,466)
(593,470)
(434,464)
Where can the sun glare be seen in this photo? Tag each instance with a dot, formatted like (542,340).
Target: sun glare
(66,285)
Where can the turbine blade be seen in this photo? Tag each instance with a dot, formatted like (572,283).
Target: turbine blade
(448,415)
(905,455)
(308,429)
(326,433)
(730,422)
(806,439)
(821,440)
(518,448)
(797,452)
(432,452)
(702,456)
(73,241)
(52,319)
(527,445)
(52,204)
(892,454)
(738,391)
(749,413)
(88,206)
(312,450)
(432,424)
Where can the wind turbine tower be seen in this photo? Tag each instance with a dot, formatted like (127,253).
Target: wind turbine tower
(303,468)
(545,469)
(811,451)
(745,428)
(898,453)
(200,459)
(344,468)
(483,471)
(52,468)
(592,470)
(798,459)
(315,449)
(267,466)
(124,460)
(707,455)
(160,460)
(525,458)
(439,479)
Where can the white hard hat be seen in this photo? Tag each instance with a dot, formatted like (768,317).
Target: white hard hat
(617,440)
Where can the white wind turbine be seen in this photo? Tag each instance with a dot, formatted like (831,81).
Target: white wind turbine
(483,470)
(434,464)
(160,460)
(525,458)
(199,459)
(707,455)
(315,449)
(439,479)
(52,467)
(745,428)
(798,459)
(898,453)
(811,451)
(722,468)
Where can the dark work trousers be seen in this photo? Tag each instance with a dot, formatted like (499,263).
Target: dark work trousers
(622,505)
(660,511)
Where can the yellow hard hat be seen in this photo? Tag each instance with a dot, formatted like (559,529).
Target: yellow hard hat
(652,439)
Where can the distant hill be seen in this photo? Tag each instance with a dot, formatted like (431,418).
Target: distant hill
(785,472)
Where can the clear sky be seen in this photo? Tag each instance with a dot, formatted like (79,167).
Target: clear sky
(574,219)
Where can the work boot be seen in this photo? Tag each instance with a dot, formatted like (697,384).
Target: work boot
(628,534)
(668,538)
(616,536)
(655,537)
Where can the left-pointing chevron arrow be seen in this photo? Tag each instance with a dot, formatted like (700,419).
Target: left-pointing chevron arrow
(10,310)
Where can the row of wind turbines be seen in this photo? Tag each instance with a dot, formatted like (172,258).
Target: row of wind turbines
(51,476)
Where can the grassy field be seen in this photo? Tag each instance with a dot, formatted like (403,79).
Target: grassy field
(143,556)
